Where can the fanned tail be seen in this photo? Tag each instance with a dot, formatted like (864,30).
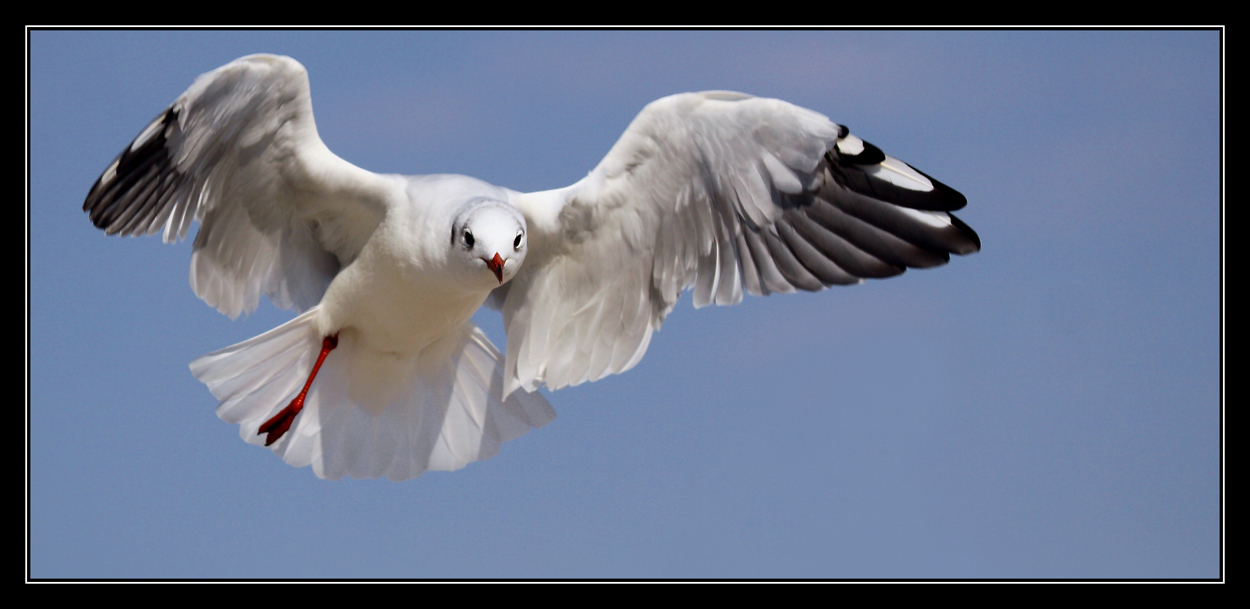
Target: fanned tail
(445,412)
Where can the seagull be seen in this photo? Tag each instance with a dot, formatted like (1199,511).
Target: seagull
(382,372)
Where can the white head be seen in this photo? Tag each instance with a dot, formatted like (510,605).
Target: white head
(489,236)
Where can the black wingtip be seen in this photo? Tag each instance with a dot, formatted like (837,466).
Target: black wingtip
(969,233)
(110,202)
(849,171)
(944,197)
(870,155)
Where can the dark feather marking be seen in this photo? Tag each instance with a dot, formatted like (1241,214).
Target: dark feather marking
(848,171)
(168,187)
(968,232)
(789,266)
(751,282)
(137,200)
(870,155)
(771,279)
(875,241)
(825,269)
(888,217)
(123,202)
(841,252)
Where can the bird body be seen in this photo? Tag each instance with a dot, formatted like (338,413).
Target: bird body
(417,290)
(383,372)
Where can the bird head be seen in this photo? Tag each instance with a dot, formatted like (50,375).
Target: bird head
(489,237)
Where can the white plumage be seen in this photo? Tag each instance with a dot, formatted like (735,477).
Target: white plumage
(718,192)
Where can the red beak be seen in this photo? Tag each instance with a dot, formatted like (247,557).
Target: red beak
(496,265)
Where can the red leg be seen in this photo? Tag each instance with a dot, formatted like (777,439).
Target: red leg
(281,422)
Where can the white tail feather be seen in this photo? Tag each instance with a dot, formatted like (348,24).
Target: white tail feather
(446,412)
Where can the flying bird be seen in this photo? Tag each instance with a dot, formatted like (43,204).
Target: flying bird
(383,373)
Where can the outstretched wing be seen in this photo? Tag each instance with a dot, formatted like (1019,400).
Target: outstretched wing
(238,151)
(723,193)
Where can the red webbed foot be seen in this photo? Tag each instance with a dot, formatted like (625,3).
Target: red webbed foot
(281,422)
(278,425)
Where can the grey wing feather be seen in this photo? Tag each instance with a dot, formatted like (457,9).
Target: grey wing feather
(238,152)
(721,193)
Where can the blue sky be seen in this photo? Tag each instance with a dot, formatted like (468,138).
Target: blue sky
(1049,407)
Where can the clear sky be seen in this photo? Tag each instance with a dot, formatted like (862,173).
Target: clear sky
(1049,407)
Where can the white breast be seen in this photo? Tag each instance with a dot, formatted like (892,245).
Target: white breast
(402,293)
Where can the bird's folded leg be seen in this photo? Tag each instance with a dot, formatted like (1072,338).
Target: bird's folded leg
(281,422)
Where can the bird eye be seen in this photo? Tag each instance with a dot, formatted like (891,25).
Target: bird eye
(468,238)
(516,243)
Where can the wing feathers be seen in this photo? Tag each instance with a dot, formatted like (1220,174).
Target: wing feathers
(239,152)
(840,252)
(795,273)
(722,193)
(907,226)
(874,241)
(820,263)
(863,173)
(122,194)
